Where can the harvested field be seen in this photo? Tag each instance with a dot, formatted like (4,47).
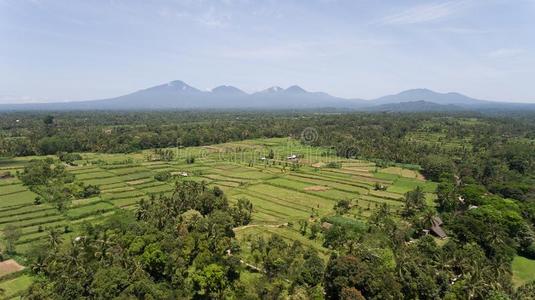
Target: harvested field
(9,266)
(136,182)
(316,188)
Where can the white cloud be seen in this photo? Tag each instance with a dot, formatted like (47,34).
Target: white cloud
(424,13)
(505,52)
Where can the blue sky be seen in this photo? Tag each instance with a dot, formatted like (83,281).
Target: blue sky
(77,50)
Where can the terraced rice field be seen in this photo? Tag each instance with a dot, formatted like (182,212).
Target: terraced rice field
(279,192)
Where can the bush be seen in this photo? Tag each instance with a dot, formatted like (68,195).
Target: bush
(90,190)
(162,176)
(529,251)
(334,165)
(69,158)
(5,174)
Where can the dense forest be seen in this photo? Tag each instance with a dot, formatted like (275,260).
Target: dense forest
(183,246)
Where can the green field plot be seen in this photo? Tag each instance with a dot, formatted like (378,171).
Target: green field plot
(385,176)
(127,194)
(217,177)
(43,227)
(20,198)
(85,210)
(292,198)
(27,216)
(358,173)
(17,162)
(269,210)
(318,180)
(157,189)
(37,221)
(94,175)
(112,185)
(318,190)
(386,195)
(12,188)
(403,185)
(128,170)
(15,286)
(402,172)
(124,202)
(136,176)
(6,212)
(103,181)
(357,164)
(35,235)
(523,270)
(194,178)
(352,177)
(286,233)
(250,175)
(8,181)
(118,190)
(380,200)
(341,220)
(84,170)
(146,184)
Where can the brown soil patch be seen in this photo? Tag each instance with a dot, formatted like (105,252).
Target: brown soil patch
(316,188)
(318,165)
(9,266)
(134,182)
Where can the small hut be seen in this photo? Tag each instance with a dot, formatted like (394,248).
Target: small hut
(326,226)
(436,228)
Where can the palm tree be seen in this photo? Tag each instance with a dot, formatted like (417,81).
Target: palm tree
(54,238)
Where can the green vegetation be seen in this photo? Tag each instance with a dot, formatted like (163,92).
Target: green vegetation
(523,270)
(230,213)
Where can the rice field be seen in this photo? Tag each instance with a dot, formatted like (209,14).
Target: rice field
(281,192)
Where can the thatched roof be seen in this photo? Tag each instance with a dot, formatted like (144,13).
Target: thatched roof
(436,229)
(326,225)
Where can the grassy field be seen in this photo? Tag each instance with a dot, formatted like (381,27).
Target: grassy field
(523,270)
(15,286)
(281,190)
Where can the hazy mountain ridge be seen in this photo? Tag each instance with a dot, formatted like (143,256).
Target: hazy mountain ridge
(415,106)
(179,95)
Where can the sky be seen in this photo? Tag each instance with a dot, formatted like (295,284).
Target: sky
(81,50)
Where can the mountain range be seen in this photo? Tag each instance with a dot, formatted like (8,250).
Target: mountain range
(179,95)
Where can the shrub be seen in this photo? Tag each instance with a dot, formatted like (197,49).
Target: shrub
(334,165)
(69,158)
(529,252)
(162,176)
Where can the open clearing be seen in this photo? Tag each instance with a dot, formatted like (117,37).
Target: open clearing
(9,266)
(316,188)
(523,270)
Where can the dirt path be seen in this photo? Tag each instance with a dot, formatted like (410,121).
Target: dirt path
(261,225)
